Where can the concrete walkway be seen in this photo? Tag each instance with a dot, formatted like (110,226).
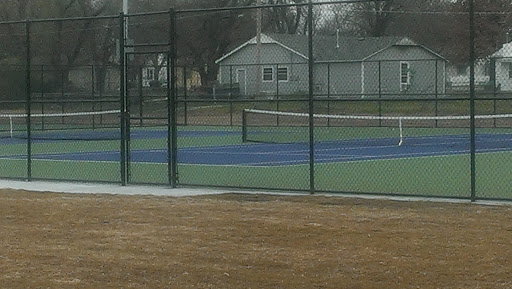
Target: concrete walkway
(115,189)
(91,188)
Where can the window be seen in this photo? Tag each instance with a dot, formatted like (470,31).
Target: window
(404,73)
(405,76)
(268,74)
(151,73)
(510,70)
(282,73)
(148,75)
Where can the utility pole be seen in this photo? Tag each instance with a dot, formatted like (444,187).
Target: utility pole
(259,14)
(125,12)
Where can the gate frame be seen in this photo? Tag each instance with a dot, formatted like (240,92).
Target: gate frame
(171,92)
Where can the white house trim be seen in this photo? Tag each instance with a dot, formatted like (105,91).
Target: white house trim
(264,40)
(272,73)
(404,42)
(287,73)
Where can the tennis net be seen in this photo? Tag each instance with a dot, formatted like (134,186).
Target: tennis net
(93,125)
(287,127)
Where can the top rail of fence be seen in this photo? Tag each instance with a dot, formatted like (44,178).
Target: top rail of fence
(182,11)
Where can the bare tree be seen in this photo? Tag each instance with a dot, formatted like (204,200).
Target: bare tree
(285,20)
(373,18)
(204,37)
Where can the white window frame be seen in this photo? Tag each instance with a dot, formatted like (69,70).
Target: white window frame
(148,75)
(287,74)
(263,74)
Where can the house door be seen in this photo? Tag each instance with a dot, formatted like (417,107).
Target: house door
(241,79)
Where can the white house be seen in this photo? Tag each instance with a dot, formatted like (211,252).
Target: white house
(501,64)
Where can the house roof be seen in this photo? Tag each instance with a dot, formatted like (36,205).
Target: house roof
(504,52)
(332,48)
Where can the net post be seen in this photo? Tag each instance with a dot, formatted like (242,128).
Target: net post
(11,126)
(244,126)
(401,131)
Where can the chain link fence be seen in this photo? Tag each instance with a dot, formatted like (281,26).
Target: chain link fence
(376,97)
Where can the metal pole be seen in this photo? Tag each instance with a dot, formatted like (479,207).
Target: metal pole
(277,92)
(28,102)
(472,96)
(171,107)
(380,93)
(230,95)
(259,13)
(494,88)
(122,100)
(93,97)
(185,94)
(42,97)
(244,126)
(328,93)
(311,103)
(436,104)
(126,8)
(141,96)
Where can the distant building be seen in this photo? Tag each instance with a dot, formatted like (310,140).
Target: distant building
(390,66)
(501,68)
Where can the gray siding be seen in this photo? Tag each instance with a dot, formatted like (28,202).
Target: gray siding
(338,79)
(379,74)
(272,56)
(427,72)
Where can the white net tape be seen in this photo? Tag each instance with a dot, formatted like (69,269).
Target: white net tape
(400,119)
(51,115)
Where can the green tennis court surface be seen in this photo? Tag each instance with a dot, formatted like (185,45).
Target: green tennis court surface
(433,164)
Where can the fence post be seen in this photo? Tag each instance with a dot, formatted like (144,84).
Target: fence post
(494,88)
(28,103)
(171,103)
(380,93)
(93,96)
(230,95)
(277,92)
(42,96)
(328,93)
(472,96)
(185,116)
(141,95)
(436,103)
(123,101)
(311,102)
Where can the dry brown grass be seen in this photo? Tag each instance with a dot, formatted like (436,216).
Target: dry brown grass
(250,241)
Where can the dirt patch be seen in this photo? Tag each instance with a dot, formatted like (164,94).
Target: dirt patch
(250,241)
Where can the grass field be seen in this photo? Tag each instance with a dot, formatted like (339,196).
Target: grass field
(227,241)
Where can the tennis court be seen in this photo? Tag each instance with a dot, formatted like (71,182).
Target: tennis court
(426,156)
(271,154)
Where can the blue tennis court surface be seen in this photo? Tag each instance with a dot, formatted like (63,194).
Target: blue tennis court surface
(298,153)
